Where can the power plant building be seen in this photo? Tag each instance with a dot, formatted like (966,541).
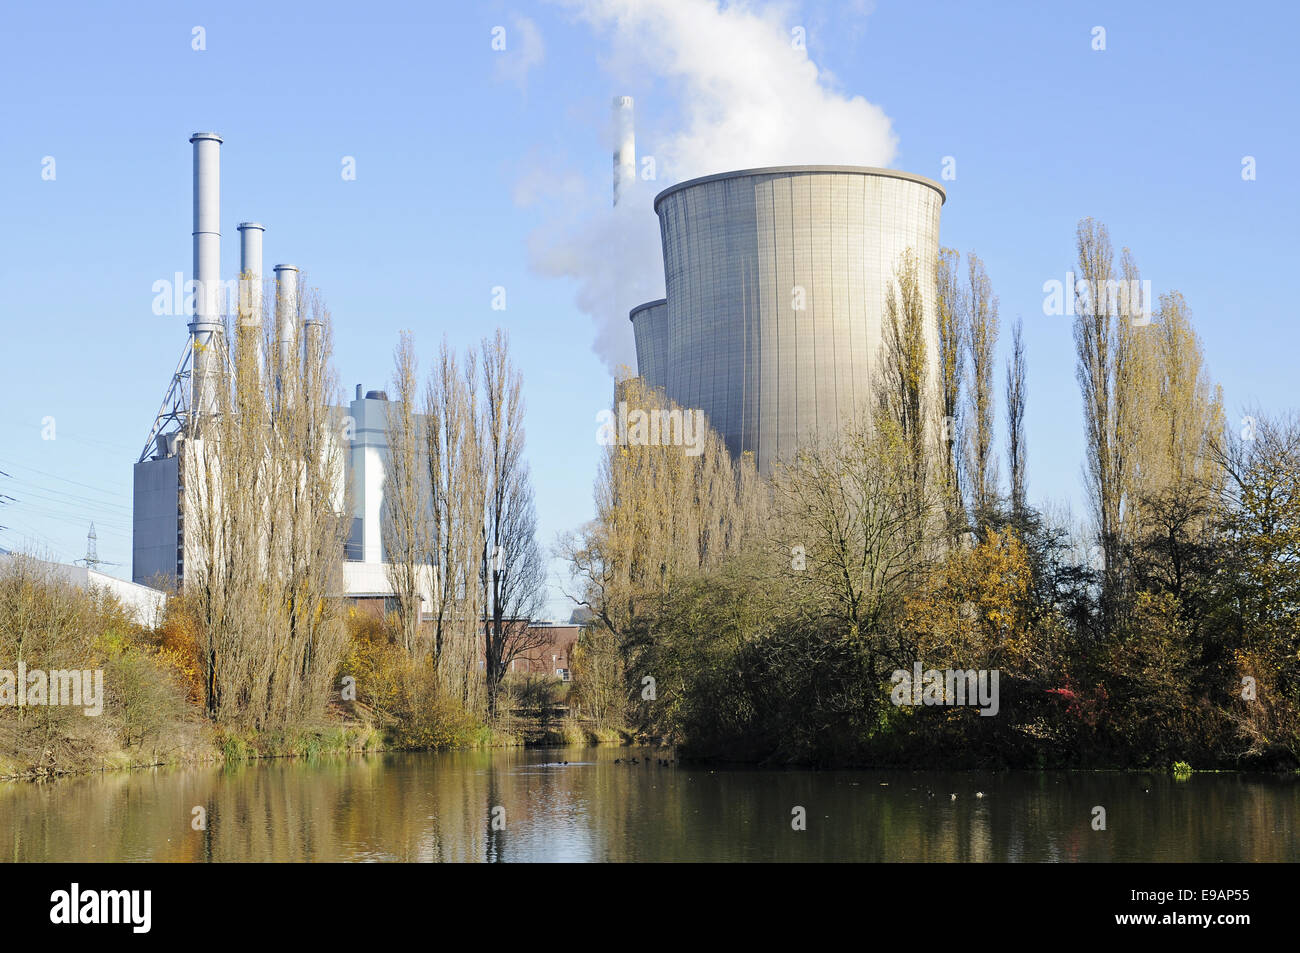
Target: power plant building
(163,497)
(776,285)
(776,281)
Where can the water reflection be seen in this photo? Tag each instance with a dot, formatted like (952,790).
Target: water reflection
(578,804)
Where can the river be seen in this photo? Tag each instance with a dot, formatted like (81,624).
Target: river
(530,805)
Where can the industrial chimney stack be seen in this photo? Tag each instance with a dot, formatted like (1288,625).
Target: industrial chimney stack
(625,146)
(313,331)
(286,317)
(250,274)
(206,328)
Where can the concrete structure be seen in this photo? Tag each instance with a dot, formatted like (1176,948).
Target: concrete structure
(368,458)
(650,327)
(365,572)
(776,282)
(158,516)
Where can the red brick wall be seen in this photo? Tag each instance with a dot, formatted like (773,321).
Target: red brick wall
(555,653)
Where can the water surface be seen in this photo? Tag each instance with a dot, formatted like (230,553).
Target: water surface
(439,806)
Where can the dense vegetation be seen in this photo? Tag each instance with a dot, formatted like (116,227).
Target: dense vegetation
(763,620)
(47,624)
(257,655)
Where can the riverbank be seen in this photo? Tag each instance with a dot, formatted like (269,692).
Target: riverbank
(344,737)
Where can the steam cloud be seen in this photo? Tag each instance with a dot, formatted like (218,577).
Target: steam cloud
(745,97)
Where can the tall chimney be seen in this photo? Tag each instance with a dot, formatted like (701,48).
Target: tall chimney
(206,328)
(624,147)
(286,316)
(250,274)
(313,337)
(250,283)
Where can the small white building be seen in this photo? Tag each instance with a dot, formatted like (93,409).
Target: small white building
(145,604)
(365,567)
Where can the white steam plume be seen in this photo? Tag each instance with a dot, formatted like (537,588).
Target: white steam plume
(745,95)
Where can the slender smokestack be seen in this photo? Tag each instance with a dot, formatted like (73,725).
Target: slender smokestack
(313,338)
(250,274)
(206,328)
(286,315)
(624,147)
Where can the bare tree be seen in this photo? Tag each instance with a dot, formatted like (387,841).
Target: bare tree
(906,392)
(952,336)
(981,340)
(1016,447)
(263,481)
(861,528)
(1103,337)
(514,571)
(455,481)
(405,518)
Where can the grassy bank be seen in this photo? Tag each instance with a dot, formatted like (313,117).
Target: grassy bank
(150,711)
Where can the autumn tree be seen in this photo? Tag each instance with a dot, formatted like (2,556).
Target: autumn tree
(263,477)
(952,325)
(1016,444)
(405,517)
(906,390)
(981,339)
(664,511)
(974,609)
(513,570)
(1175,478)
(1104,343)
(1259,577)
(453,460)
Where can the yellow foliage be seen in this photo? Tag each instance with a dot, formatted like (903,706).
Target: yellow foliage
(973,610)
(178,648)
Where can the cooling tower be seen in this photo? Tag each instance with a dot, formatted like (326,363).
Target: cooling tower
(776,284)
(651,340)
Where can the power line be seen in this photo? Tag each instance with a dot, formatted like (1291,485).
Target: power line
(55,476)
(27,488)
(64,435)
(117,530)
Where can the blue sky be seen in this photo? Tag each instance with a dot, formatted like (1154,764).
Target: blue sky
(450,138)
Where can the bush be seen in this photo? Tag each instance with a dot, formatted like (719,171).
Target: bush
(50,624)
(403,693)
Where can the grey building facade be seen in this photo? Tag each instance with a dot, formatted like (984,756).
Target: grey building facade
(776,283)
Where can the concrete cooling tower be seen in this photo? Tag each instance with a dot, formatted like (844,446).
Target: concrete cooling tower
(776,284)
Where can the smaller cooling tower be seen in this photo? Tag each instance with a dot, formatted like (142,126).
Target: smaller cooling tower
(650,326)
